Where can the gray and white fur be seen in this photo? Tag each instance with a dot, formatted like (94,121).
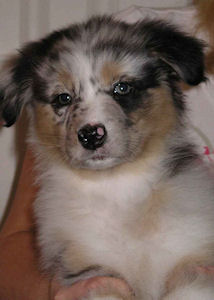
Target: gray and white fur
(123,191)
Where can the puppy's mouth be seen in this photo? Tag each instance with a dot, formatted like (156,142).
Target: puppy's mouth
(99,154)
(99,157)
(100,160)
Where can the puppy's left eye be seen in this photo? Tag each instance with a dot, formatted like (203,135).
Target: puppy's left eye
(63,99)
(122,88)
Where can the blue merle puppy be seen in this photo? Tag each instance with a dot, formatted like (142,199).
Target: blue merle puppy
(123,191)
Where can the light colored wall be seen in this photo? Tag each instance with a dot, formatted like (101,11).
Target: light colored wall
(24,20)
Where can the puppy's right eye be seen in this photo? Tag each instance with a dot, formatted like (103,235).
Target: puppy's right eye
(62,100)
(122,89)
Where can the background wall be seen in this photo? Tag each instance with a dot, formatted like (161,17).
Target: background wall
(25,20)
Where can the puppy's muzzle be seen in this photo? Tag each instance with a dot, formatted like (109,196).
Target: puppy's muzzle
(92,137)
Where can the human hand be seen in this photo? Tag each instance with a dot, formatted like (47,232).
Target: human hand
(83,288)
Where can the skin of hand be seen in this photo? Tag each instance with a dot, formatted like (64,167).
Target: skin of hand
(83,288)
(20,275)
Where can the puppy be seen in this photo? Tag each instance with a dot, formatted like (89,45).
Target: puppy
(123,191)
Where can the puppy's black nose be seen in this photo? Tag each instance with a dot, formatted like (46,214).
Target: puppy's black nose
(92,137)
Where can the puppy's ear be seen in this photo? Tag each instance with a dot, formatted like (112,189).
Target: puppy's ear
(183,53)
(13,88)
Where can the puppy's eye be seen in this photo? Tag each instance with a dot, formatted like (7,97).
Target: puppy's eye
(122,88)
(63,99)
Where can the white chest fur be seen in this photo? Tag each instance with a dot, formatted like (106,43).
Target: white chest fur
(109,220)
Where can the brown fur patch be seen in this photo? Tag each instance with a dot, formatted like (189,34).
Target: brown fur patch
(110,72)
(65,78)
(151,221)
(147,221)
(162,115)
(159,118)
(76,259)
(46,128)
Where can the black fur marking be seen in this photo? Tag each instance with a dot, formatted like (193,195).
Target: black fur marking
(82,272)
(130,102)
(182,52)
(33,54)
(54,56)
(158,39)
(178,97)
(81,89)
(87,273)
(129,123)
(75,107)
(10,113)
(180,157)
(39,88)
(93,81)
(152,73)
(1,98)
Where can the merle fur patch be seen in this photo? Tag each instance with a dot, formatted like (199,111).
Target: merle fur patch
(180,158)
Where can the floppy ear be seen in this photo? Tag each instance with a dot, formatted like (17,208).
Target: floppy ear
(183,53)
(13,88)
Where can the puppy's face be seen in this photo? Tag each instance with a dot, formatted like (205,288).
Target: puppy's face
(100,92)
(100,109)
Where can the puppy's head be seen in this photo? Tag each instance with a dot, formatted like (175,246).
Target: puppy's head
(100,91)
